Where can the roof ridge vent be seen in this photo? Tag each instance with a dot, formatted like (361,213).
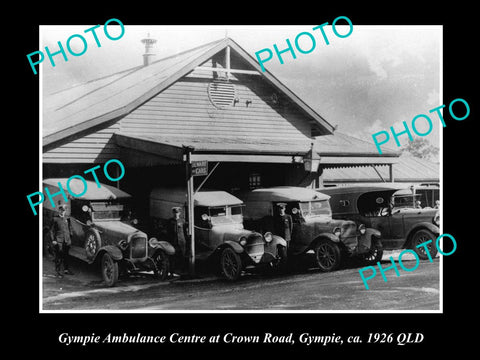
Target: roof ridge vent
(149,54)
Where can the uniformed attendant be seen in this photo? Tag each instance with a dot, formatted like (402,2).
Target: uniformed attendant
(61,241)
(176,237)
(297,216)
(283,223)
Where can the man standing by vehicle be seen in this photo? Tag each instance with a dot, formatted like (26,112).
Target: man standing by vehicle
(283,223)
(176,237)
(61,240)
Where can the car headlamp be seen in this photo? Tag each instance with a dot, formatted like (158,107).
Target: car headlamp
(436,219)
(337,231)
(123,244)
(134,221)
(243,241)
(153,242)
(268,236)
(362,229)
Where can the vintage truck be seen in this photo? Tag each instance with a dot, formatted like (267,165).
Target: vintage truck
(313,226)
(103,231)
(220,237)
(402,227)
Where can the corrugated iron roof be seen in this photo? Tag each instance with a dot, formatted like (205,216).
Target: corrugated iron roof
(84,106)
(407,169)
(340,144)
(232,144)
(113,96)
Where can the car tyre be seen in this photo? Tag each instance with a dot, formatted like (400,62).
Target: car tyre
(92,244)
(109,270)
(282,265)
(421,236)
(327,255)
(373,256)
(230,264)
(162,265)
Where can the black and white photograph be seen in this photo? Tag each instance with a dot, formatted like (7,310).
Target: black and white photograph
(191,179)
(225,185)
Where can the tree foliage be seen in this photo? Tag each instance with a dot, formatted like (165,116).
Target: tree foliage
(421,148)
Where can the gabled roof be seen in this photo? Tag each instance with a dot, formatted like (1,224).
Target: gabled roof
(92,103)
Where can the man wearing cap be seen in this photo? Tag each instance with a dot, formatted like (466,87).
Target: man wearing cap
(282,223)
(61,240)
(176,237)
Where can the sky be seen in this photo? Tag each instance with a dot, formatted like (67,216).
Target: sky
(377,77)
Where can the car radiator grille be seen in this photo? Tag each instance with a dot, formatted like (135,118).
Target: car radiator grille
(139,247)
(349,230)
(255,247)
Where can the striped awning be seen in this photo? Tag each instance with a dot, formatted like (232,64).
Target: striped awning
(354,161)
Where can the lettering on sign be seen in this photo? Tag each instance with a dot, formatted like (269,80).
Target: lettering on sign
(200,168)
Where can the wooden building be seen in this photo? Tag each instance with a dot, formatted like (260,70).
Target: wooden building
(213,99)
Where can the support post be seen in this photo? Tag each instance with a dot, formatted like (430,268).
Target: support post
(190,204)
(227,60)
(390,168)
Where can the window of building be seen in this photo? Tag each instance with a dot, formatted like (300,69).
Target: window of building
(254,181)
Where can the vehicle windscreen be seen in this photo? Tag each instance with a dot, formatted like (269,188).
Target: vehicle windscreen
(301,210)
(106,211)
(321,207)
(218,215)
(315,208)
(225,214)
(237,213)
(406,201)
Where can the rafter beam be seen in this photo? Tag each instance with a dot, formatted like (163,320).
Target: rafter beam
(238,71)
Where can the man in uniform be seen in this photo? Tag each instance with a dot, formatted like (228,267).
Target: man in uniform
(61,241)
(176,237)
(282,223)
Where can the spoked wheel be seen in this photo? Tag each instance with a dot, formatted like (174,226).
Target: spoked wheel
(92,244)
(109,270)
(373,256)
(327,255)
(230,264)
(420,237)
(162,265)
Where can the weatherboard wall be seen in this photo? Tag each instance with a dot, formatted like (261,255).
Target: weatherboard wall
(185,108)
(97,146)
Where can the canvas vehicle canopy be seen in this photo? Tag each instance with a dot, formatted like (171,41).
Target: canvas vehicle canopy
(284,193)
(360,199)
(163,199)
(76,186)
